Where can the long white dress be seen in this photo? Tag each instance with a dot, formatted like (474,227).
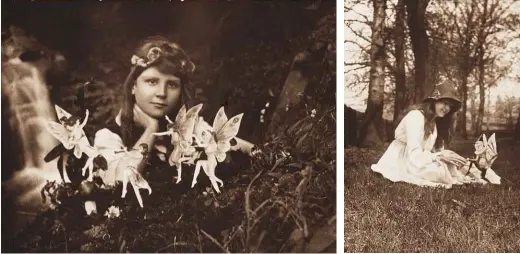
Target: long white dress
(410,157)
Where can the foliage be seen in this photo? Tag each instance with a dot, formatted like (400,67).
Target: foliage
(461,34)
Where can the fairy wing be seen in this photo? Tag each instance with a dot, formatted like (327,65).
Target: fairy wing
(220,120)
(188,125)
(226,133)
(61,113)
(203,131)
(492,144)
(230,129)
(181,115)
(60,133)
(491,151)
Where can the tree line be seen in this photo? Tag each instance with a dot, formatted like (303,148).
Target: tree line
(409,46)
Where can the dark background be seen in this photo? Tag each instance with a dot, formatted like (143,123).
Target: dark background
(241,49)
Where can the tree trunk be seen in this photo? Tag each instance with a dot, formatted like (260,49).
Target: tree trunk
(420,47)
(462,126)
(482,101)
(372,129)
(488,112)
(473,109)
(292,91)
(401,99)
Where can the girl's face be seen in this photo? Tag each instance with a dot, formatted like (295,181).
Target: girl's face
(156,93)
(442,107)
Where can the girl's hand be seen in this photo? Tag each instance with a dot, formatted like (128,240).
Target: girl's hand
(144,120)
(452,157)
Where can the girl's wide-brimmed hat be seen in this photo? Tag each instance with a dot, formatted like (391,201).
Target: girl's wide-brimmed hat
(446,91)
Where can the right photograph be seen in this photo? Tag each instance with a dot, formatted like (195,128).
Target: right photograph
(432,126)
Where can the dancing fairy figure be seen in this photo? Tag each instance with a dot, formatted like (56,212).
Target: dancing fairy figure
(72,137)
(216,143)
(181,132)
(129,166)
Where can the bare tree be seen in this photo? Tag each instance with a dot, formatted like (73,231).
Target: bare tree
(420,45)
(372,131)
(401,97)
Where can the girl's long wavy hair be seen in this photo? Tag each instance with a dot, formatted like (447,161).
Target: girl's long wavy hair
(443,123)
(173,60)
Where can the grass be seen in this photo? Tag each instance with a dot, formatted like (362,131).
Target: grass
(381,216)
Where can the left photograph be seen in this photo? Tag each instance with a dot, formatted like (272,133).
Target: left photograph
(168,126)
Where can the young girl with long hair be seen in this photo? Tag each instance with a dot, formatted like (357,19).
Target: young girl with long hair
(418,155)
(158,85)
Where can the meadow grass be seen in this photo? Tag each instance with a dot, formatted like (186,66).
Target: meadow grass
(381,216)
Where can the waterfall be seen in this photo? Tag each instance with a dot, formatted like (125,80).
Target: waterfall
(29,106)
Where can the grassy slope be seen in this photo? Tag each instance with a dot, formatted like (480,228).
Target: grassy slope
(381,216)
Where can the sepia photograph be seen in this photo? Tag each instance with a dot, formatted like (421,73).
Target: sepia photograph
(432,126)
(180,126)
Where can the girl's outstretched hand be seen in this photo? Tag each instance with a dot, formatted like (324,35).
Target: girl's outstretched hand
(449,156)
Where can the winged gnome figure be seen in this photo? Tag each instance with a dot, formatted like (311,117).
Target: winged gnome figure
(485,155)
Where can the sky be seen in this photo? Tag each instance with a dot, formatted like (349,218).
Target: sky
(355,97)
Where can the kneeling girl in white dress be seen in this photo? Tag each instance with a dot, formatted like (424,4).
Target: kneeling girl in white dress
(417,154)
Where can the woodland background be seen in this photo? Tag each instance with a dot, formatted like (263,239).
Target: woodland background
(396,51)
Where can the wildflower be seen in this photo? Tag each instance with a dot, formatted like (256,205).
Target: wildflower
(313,113)
(113,212)
(267,105)
(90,207)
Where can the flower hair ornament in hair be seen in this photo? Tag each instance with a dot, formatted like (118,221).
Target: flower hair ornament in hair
(152,56)
(155,53)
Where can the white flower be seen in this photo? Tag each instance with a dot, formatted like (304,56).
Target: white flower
(262,111)
(138,61)
(313,113)
(113,212)
(153,54)
(267,105)
(90,207)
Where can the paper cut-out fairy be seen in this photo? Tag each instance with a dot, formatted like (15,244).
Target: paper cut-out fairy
(129,167)
(72,137)
(181,132)
(216,143)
